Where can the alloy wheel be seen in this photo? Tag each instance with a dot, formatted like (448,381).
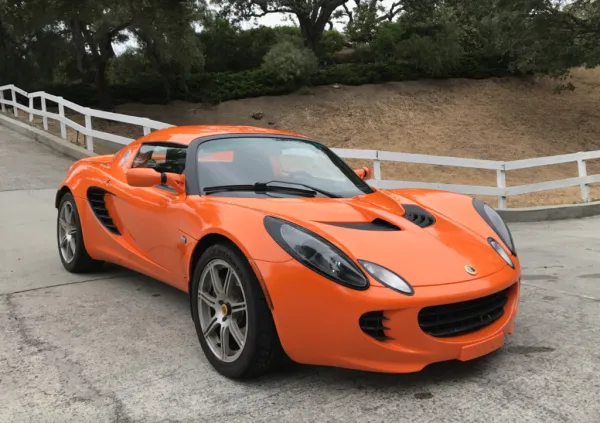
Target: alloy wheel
(222,310)
(67,231)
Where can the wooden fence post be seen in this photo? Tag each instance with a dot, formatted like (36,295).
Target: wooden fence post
(585,189)
(501,183)
(44,118)
(89,140)
(63,127)
(14,99)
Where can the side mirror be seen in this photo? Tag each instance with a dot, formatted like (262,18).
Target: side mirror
(144,178)
(364,173)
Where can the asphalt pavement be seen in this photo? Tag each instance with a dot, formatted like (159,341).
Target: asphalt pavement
(119,347)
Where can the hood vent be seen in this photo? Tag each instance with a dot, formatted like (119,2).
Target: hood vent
(375,225)
(418,215)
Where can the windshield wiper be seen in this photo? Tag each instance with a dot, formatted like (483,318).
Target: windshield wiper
(260,187)
(267,186)
(319,190)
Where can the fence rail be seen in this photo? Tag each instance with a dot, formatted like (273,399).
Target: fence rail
(501,191)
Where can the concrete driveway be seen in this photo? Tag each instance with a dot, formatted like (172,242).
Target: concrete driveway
(119,347)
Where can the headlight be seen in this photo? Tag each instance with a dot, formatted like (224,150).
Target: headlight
(493,219)
(316,253)
(496,246)
(387,277)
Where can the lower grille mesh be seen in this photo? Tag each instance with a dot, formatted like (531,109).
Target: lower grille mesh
(464,317)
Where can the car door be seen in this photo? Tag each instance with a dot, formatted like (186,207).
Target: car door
(150,216)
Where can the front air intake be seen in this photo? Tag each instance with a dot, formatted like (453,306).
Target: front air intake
(461,318)
(371,323)
(97,202)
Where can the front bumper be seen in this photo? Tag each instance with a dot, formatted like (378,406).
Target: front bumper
(318,320)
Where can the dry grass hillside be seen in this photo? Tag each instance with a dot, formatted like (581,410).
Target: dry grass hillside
(498,119)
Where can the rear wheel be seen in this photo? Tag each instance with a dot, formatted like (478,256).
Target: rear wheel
(233,321)
(71,247)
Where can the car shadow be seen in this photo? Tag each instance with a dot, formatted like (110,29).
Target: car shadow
(326,377)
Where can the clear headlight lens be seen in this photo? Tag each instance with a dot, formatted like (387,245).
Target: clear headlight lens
(501,251)
(387,277)
(493,219)
(316,253)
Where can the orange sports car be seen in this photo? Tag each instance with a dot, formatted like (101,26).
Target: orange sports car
(288,254)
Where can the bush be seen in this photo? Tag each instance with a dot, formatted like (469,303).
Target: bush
(332,42)
(435,48)
(216,87)
(288,63)
(364,73)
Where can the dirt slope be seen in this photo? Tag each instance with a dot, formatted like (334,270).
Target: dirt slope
(498,119)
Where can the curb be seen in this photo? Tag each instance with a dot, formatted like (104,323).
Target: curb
(549,213)
(43,137)
(517,215)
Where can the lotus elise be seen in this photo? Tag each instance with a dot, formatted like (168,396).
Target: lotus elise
(289,254)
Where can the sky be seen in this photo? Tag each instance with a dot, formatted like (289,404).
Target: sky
(275,19)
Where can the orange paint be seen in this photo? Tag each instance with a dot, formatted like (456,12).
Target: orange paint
(316,319)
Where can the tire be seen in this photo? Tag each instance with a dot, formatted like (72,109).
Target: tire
(262,349)
(80,261)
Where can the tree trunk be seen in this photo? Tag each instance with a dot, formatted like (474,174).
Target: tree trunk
(159,66)
(312,26)
(312,33)
(101,86)
(79,48)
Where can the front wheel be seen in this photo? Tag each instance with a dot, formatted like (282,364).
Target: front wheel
(233,321)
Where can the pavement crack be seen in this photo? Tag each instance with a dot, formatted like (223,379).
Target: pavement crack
(29,340)
(572,294)
(27,189)
(63,284)
(74,386)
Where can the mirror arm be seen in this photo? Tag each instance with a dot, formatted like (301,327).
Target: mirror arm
(172,182)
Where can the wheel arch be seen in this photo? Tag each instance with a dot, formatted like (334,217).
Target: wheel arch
(208,241)
(60,194)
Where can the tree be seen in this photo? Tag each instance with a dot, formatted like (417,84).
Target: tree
(94,25)
(313,15)
(31,44)
(166,32)
(366,16)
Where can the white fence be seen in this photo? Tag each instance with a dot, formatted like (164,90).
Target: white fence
(501,191)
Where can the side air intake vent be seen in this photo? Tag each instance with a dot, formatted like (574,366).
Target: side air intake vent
(95,197)
(418,215)
(371,323)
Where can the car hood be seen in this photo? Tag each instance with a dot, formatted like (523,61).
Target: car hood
(424,256)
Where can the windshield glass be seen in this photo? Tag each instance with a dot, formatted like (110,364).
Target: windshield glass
(251,160)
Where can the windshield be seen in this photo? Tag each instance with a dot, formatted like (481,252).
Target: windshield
(280,161)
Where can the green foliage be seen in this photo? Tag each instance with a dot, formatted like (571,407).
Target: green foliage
(227,47)
(131,66)
(287,63)
(433,48)
(364,22)
(332,42)
(66,47)
(312,15)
